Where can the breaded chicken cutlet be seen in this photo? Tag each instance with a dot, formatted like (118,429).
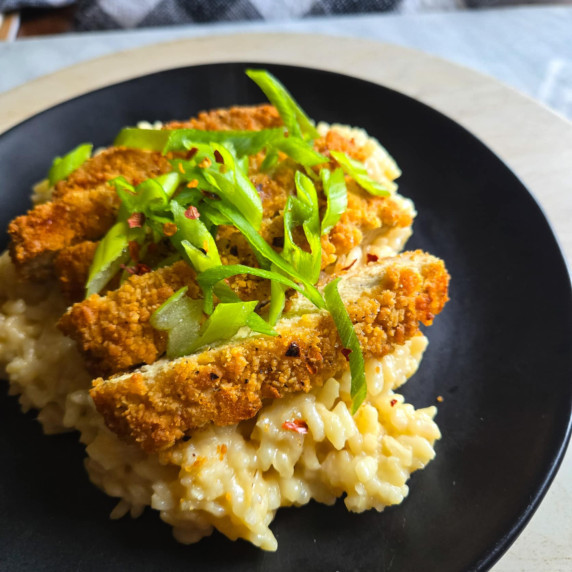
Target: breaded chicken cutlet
(113,330)
(159,404)
(84,206)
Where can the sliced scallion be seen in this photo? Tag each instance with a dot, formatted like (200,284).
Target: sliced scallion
(223,323)
(302,210)
(63,167)
(357,171)
(209,278)
(111,252)
(264,252)
(300,151)
(181,318)
(337,309)
(294,118)
(336,192)
(194,240)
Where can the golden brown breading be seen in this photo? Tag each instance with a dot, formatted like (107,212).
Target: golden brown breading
(45,230)
(135,165)
(365,213)
(114,330)
(47,224)
(247,118)
(83,208)
(159,404)
(71,267)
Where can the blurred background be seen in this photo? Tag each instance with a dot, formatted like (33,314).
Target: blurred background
(527,44)
(21,18)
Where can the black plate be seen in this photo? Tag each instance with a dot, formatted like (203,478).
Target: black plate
(500,353)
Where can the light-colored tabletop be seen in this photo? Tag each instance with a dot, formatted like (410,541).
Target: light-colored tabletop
(535,142)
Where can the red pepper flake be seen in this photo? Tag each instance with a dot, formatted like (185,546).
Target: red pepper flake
(136,220)
(372,258)
(393,402)
(193,184)
(296,425)
(440,398)
(138,269)
(346,353)
(205,163)
(169,229)
(191,153)
(134,250)
(192,213)
(350,265)
(221,450)
(218,157)
(141,268)
(312,369)
(181,168)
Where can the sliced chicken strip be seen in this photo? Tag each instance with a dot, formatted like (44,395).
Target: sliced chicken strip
(226,383)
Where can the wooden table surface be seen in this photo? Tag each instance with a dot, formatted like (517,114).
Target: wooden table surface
(532,140)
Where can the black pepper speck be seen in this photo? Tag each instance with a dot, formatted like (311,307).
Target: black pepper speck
(293,350)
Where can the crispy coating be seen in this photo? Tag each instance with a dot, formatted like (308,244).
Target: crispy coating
(83,208)
(38,236)
(365,213)
(114,331)
(91,322)
(159,404)
(248,118)
(135,165)
(71,267)
(71,218)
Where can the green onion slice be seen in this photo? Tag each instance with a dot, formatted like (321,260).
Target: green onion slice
(255,322)
(193,240)
(152,139)
(301,151)
(63,167)
(350,341)
(181,318)
(223,323)
(270,160)
(294,118)
(244,142)
(336,192)
(356,170)
(212,276)
(265,254)
(303,211)
(170,182)
(147,197)
(111,253)
(235,187)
